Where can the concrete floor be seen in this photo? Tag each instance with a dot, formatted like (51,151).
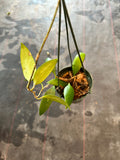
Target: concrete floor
(91,130)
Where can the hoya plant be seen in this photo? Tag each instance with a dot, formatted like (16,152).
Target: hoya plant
(71,83)
(40,75)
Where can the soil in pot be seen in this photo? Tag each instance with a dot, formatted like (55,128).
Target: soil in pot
(79,83)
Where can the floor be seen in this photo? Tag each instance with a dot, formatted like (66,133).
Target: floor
(91,130)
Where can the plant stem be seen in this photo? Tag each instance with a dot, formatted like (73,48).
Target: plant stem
(65,8)
(41,91)
(38,54)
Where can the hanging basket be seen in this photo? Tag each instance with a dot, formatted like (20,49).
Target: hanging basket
(84,89)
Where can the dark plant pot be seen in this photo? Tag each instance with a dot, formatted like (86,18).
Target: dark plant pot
(89,78)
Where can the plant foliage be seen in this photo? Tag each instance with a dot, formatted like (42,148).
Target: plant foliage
(76,64)
(55,82)
(27,62)
(68,94)
(45,102)
(43,71)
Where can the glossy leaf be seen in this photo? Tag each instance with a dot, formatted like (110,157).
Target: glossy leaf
(45,103)
(56,99)
(68,94)
(48,59)
(55,82)
(43,71)
(76,64)
(27,62)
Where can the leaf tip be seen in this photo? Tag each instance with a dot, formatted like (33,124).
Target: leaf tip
(22,45)
(56,60)
(40,113)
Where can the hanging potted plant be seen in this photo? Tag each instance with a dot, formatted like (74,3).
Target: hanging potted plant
(72,83)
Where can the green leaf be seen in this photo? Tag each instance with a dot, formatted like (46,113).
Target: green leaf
(27,62)
(56,99)
(54,70)
(76,64)
(68,94)
(55,82)
(45,103)
(43,71)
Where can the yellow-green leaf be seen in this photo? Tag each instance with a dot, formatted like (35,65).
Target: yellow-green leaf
(55,82)
(54,70)
(45,103)
(27,62)
(76,64)
(68,94)
(56,99)
(43,71)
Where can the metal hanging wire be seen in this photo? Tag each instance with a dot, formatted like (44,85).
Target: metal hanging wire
(59,32)
(68,22)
